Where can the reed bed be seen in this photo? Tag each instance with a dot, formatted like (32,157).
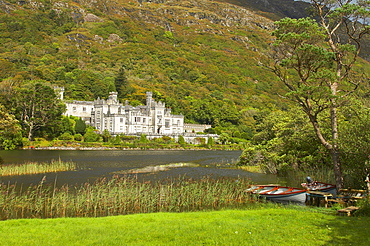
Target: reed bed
(34,168)
(122,195)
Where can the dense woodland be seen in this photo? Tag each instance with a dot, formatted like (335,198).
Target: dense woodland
(202,58)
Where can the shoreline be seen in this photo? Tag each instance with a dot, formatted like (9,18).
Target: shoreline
(115,148)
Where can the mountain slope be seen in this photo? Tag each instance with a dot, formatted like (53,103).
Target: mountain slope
(200,57)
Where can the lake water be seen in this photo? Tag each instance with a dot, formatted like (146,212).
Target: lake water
(94,164)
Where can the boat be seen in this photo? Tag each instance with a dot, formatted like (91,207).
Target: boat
(320,186)
(279,193)
(287,194)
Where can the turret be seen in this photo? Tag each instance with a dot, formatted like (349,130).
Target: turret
(112,99)
(149,99)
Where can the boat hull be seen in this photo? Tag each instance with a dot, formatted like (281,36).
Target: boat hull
(293,198)
(279,193)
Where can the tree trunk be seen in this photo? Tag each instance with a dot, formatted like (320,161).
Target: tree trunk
(335,153)
(337,168)
(30,131)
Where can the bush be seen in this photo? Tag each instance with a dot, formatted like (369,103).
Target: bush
(143,138)
(78,137)
(166,139)
(181,140)
(91,136)
(364,207)
(128,138)
(66,136)
(210,141)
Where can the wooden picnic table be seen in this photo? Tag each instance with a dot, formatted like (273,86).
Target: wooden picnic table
(317,198)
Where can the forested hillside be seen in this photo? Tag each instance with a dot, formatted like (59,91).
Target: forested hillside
(200,57)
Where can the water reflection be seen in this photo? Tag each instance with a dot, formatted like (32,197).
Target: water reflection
(99,164)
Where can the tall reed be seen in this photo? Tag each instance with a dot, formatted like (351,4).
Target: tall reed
(34,168)
(122,195)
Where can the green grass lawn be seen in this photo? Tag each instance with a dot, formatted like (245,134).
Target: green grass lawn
(264,226)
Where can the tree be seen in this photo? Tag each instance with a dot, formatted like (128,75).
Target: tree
(317,67)
(106,135)
(123,86)
(224,138)
(37,106)
(210,142)
(80,126)
(10,131)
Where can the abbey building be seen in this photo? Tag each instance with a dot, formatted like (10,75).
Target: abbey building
(152,118)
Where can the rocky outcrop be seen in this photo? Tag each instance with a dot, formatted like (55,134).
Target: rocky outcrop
(92,18)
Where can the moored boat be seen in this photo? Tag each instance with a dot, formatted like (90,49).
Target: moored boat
(320,186)
(279,193)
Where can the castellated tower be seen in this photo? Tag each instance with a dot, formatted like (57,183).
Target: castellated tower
(149,99)
(112,99)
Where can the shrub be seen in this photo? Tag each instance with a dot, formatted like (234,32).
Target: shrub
(181,140)
(143,138)
(91,136)
(66,136)
(78,137)
(364,207)
(210,141)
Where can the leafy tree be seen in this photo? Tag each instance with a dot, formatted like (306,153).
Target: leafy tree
(224,138)
(123,86)
(10,131)
(106,135)
(37,106)
(210,142)
(66,125)
(317,68)
(80,126)
(355,143)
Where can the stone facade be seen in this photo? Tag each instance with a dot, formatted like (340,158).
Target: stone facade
(152,118)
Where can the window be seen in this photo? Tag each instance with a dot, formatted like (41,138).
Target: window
(84,109)
(74,108)
(167,123)
(121,120)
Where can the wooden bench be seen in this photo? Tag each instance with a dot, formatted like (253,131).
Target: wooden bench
(347,211)
(350,196)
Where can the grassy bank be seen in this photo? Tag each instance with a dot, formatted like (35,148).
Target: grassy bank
(264,226)
(34,168)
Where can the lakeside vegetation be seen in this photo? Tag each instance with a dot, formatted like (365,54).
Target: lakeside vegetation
(122,195)
(95,140)
(270,224)
(34,168)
